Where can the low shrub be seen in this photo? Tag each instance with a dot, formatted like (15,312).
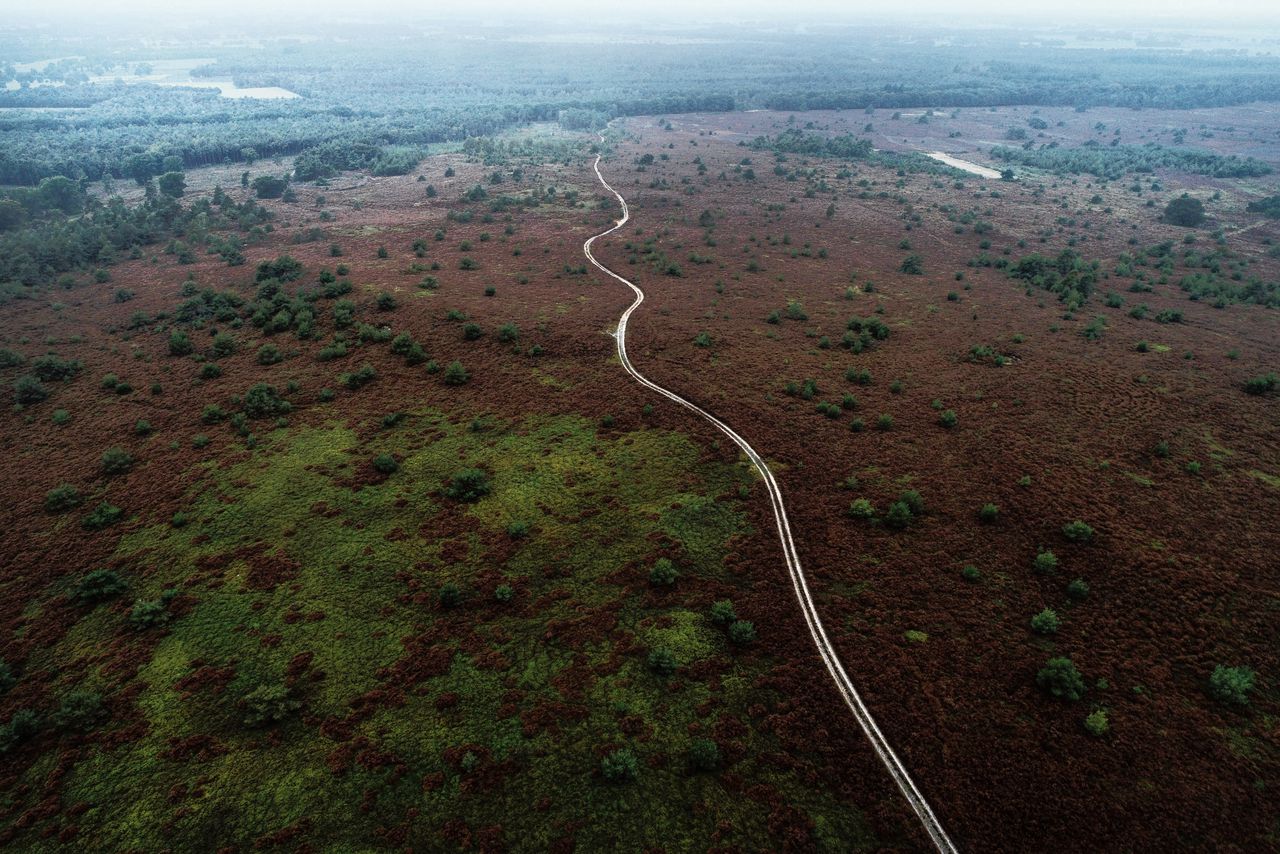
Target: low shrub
(62,498)
(1059,678)
(468,485)
(1046,622)
(620,766)
(663,573)
(385,464)
(269,704)
(662,662)
(99,585)
(1045,562)
(1077,532)
(116,461)
(1231,685)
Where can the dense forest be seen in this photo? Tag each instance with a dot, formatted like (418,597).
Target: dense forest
(95,115)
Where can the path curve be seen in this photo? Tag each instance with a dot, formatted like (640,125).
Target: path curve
(798,581)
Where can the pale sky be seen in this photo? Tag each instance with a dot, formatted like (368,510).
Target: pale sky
(1225,13)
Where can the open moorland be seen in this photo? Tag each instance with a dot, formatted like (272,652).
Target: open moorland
(332,521)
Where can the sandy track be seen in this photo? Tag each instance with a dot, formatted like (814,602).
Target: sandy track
(798,581)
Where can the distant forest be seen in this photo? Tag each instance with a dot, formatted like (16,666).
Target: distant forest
(379,94)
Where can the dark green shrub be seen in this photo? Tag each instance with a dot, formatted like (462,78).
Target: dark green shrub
(7,679)
(385,464)
(662,662)
(455,374)
(50,368)
(1059,678)
(468,485)
(857,425)
(988,513)
(60,417)
(79,711)
(148,613)
(504,593)
(180,344)
(116,461)
(663,573)
(269,354)
(884,422)
(722,612)
(620,766)
(704,755)
(898,516)
(1231,685)
(1046,562)
(24,724)
(471,331)
(914,502)
(223,345)
(386,302)
(268,704)
(142,428)
(263,401)
(508,332)
(742,632)
(62,498)
(947,418)
(1078,589)
(1046,622)
(971,573)
(102,516)
(450,596)
(100,584)
(210,371)
(27,390)
(362,376)
(1161,450)
(1077,532)
(1261,385)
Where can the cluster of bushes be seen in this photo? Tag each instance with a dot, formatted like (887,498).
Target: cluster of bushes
(899,515)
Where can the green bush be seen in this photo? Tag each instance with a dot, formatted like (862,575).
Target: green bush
(518,530)
(912,499)
(742,632)
(269,354)
(1077,532)
(79,711)
(102,516)
(142,428)
(27,389)
(449,596)
(508,332)
(210,371)
(223,345)
(50,368)
(263,401)
(971,573)
(988,513)
(116,461)
(62,498)
(504,593)
(180,344)
(663,573)
(722,613)
(898,516)
(455,374)
(385,464)
(471,332)
(704,755)
(620,766)
(468,485)
(100,584)
(147,613)
(1078,589)
(7,679)
(386,302)
(362,376)
(1045,562)
(1231,685)
(1059,678)
(1046,622)
(662,662)
(1261,385)
(269,704)
(862,508)
(947,418)
(1096,723)
(884,422)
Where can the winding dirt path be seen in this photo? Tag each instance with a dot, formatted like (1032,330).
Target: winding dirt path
(798,581)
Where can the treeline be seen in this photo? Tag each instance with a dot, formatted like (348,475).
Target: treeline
(381,90)
(1113,162)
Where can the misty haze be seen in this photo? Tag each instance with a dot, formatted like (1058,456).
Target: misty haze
(674,428)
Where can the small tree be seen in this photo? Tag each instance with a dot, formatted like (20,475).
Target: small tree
(116,461)
(61,498)
(742,632)
(1059,678)
(1096,723)
(1045,562)
(450,596)
(385,464)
